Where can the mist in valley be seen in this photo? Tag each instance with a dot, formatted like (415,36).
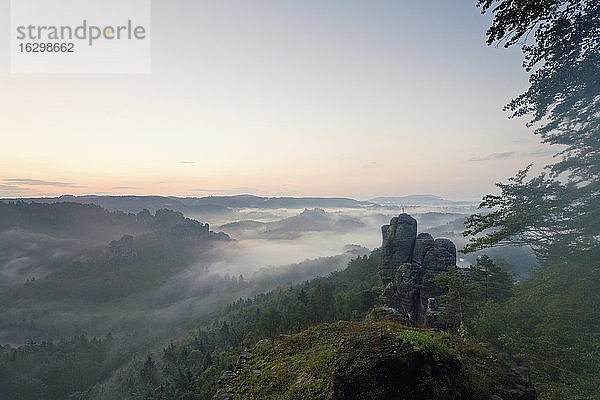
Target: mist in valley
(158,238)
(141,278)
(273,248)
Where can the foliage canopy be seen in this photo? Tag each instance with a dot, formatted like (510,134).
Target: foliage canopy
(559,206)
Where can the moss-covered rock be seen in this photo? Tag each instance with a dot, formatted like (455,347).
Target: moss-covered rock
(376,360)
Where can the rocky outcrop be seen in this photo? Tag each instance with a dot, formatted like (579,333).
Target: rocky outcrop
(120,249)
(374,360)
(242,363)
(423,243)
(518,386)
(523,388)
(436,261)
(174,222)
(398,240)
(409,265)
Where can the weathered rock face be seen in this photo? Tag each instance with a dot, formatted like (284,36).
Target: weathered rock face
(399,239)
(406,286)
(409,265)
(423,244)
(436,261)
(398,242)
(440,255)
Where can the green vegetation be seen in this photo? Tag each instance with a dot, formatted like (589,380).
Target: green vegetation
(549,323)
(470,290)
(535,322)
(52,371)
(371,360)
(189,368)
(556,212)
(552,323)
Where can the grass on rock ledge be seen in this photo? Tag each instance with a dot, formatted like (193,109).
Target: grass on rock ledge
(371,360)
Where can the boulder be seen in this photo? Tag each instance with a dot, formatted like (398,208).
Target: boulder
(383,313)
(227,377)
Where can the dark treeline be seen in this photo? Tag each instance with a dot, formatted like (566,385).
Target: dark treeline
(49,371)
(88,221)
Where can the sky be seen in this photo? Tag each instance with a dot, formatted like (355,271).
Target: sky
(314,98)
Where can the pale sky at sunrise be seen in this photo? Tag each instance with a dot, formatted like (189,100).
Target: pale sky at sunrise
(308,98)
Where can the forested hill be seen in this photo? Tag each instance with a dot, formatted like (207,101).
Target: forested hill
(203,205)
(137,288)
(107,368)
(189,368)
(88,221)
(64,265)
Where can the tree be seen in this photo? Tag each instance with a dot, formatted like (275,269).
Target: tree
(269,323)
(148,372)
(322,303)
(302,295)
(494,283)
(563,96)
(557,211)
(552,324)
(554,315)
(461,299)
(470,290)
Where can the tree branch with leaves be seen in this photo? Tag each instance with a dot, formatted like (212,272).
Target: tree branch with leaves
(557,212)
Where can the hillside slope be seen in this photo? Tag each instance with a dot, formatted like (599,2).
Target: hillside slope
(374,360)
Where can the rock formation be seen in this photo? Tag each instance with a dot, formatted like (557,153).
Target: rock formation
(120,249)
(228,376)
(409,265)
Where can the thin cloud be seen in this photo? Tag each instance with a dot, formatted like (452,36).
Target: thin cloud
(494,156)
(124,187)
(541,153)
(187,162)
(12,188)
(39,182)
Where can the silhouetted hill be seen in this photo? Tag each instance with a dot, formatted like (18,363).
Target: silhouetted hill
(309,220)
(211,205)
(89,222)
(38,239)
